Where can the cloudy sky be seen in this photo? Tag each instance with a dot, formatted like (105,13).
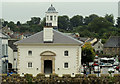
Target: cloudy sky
(23,11)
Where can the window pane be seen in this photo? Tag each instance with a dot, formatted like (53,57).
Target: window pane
(55,18)
(66,53)
(51,18)
(47,17)
(50,24)
(66,65)
(29,64)
(29,52)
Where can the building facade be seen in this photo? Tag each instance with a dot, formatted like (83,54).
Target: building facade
(112,46)
(49,51)
(4,52)
(12,55)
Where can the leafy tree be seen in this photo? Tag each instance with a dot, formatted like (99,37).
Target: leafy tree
(24,28)
(12,26)
(98,24)
(118,22)
(81,28)
(5,23)
(64,22)
(34,20)
(110,18)
(85,33)
(18,23)
(76,21)
(88,53)
(91,17)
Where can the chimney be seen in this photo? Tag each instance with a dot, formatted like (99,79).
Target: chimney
(48,34)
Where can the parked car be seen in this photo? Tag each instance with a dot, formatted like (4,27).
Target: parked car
(95,64)
(117,68)
(114,66)
(96,69)
(111,69)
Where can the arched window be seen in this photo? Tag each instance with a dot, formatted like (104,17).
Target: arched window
(66,53)
(29,52)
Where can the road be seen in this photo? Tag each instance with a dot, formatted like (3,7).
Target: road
(104,70)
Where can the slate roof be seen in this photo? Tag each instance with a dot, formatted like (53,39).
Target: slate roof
(58,38)
(3,36)
(11,45)
(83,39)
(51,9)
(113,41)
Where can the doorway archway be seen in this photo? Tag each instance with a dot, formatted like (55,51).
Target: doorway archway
(47,62)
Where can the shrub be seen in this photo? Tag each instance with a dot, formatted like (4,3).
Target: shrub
(104,75)
(3,76)
(92,76)
(28,77)
(66,76)
(15,75)
(79,75)
(40,75)
(116,75)
(53,75)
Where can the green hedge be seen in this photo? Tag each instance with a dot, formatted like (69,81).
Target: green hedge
(55,79)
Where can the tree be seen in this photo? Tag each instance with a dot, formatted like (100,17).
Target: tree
(91,17)
(18,23)
(34,20)
(12,26)
(5,23)
(118,22)
(88,53)
(64,22)
(76,21)
(98,24)
(110,18)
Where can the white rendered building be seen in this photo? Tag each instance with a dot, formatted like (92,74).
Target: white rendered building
(49,51)
(3,53)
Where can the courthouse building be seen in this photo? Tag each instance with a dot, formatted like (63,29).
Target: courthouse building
(49,51)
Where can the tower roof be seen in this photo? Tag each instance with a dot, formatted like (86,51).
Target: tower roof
(51,9)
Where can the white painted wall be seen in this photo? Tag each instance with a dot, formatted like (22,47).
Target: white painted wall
(59,59)
(11,56)
(15,61)
(48,34)
(54,21)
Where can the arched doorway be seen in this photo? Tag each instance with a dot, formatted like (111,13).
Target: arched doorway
(47,62)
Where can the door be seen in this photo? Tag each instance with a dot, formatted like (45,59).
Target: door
(47,66)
